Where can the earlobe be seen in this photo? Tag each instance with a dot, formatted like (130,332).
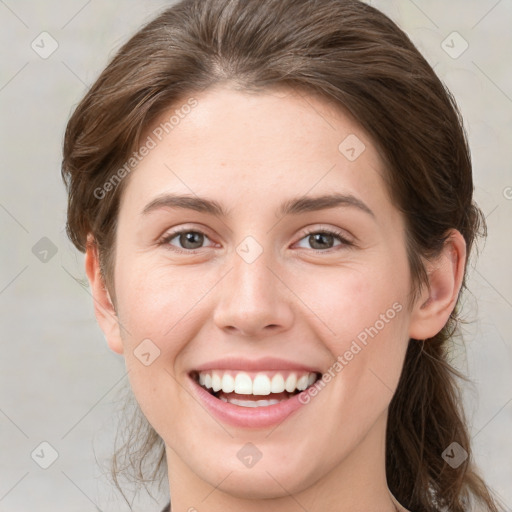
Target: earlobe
(103,307)
(445,274)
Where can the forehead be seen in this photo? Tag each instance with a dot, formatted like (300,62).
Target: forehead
(258,146)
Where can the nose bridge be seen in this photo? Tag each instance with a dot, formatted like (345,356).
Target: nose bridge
(252,300)
(253,281)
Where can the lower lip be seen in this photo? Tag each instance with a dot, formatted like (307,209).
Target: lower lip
(248,417)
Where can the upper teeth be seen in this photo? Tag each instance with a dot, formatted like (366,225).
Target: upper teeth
(258,384)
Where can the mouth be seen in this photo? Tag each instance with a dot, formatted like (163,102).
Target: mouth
(257,389)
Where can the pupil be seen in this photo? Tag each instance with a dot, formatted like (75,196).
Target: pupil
(193,238)
(313,239)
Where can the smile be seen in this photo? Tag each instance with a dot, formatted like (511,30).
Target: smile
(252,399)
(248,389)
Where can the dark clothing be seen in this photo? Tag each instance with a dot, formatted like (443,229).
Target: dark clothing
(167,508)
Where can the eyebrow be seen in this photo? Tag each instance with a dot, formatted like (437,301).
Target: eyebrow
(294,206)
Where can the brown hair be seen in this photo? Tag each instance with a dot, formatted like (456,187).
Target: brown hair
(348,52)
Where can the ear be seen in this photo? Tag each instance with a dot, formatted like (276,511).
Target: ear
(433,308)
(103,307)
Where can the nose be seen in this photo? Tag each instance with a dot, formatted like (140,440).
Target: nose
(252,299)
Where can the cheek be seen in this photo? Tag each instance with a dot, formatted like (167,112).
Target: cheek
(162,310)
(158,309)
(349,300)
(362,313)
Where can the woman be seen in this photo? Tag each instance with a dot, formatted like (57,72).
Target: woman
(275,202)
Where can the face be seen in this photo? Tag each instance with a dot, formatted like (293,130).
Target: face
(299,268)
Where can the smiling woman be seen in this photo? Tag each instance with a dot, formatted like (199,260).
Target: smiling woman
(279,255)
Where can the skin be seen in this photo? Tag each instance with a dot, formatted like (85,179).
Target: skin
(295,301)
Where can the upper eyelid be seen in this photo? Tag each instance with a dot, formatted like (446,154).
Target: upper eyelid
(204,231)
(171,233)
(347,241)
(336,232)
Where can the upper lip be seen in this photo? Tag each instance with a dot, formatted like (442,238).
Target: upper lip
(264,364)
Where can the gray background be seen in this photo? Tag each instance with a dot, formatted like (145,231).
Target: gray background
(59,383)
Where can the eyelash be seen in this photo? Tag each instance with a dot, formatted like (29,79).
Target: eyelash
(330,232)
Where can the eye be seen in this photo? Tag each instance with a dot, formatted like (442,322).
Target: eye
(188,240)
(320,240)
